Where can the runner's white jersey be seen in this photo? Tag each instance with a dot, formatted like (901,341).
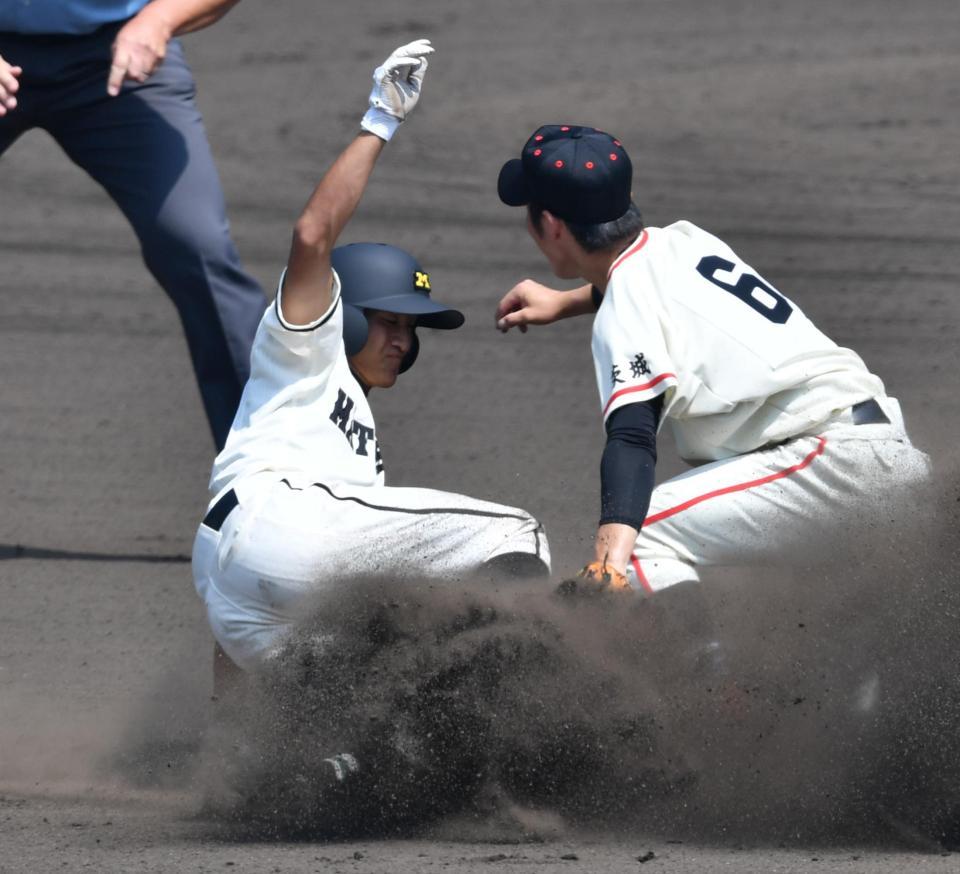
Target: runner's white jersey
(739,364)
(303,415)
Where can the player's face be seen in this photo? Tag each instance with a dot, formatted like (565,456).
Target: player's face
(550,241)
(389,338)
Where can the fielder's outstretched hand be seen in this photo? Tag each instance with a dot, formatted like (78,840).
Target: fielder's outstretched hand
(396,88)
(530,303)
(9,85)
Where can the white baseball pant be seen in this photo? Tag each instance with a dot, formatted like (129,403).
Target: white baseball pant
(777,505)
(281,545)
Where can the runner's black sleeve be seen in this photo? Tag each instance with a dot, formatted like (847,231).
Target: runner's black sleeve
(628,462)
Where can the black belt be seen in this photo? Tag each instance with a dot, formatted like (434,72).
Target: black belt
(868,413)
(220,510)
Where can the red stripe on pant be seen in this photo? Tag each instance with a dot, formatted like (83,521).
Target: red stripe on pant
(641,576)
(739,487)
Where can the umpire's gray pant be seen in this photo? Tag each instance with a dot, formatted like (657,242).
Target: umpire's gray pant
(148,149)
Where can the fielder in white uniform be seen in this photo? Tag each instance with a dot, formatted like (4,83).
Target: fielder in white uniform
(299,502)
(794,437)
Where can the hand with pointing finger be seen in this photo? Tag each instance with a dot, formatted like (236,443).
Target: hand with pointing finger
(138,50)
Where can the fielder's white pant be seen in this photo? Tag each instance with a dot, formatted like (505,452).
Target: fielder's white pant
(282,545)
(776,505)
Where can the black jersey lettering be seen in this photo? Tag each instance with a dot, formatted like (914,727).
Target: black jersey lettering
(341,416)
(341,412)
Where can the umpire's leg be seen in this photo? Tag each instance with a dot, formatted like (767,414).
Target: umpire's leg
(9,131)
(148,148)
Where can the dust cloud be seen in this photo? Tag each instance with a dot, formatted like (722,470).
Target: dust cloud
(767,706)
(452,700)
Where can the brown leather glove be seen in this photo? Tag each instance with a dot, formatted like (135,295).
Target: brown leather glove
(596,578)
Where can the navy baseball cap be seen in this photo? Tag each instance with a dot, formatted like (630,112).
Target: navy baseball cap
(580,174)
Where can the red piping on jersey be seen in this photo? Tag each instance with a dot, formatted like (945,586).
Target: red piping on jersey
(633,388)
(636,247)
(740,487)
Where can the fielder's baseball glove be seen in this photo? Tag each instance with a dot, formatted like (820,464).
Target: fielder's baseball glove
(597,578)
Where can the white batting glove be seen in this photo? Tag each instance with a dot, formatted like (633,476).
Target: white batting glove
(396,88)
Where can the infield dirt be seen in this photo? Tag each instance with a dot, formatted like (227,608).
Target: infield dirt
(818,139)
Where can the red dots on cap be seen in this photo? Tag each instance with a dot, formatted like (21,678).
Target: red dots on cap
(616,142)
(537,152)
(613,157)
(558,164)
(589,165)
(565,127)
(538,137)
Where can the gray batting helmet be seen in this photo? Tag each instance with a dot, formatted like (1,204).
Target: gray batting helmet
(380,277)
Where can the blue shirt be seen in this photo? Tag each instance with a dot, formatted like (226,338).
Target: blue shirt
(64,16)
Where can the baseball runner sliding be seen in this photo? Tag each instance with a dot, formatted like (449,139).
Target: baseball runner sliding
(299,501)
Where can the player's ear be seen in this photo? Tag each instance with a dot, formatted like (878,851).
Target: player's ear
(552,226)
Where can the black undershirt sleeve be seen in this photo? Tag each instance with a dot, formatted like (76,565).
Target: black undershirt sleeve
(628,462)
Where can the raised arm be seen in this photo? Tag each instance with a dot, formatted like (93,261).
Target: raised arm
(307,285)
(396,90)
